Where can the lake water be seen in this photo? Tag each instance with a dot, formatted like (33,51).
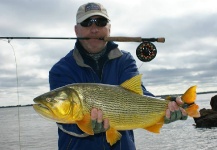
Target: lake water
(37,133)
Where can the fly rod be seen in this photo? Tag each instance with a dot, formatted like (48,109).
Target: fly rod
(115,38)
(145,52)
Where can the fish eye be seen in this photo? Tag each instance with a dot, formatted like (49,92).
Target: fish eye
(48,99)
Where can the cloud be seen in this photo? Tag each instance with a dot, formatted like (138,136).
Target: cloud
(187,57)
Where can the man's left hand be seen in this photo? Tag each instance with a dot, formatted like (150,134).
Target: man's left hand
(175,112)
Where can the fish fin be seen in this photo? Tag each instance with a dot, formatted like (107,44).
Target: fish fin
(156,128)
(190,95)
(112,136)
(134,84)
(85,124)
(192,110)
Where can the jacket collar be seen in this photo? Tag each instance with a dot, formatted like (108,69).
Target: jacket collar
(114,52)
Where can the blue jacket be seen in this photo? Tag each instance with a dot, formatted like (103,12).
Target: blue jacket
(117,67)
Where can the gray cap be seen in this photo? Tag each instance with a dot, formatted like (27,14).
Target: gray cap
(90,9)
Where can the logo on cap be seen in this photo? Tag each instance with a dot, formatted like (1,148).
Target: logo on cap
(92,6)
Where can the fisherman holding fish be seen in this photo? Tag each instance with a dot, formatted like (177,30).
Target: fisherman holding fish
(97,61)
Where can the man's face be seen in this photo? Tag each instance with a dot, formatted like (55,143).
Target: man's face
(93,31)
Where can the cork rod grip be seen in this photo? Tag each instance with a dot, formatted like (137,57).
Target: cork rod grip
(161,40)
(123,39)
(133,39)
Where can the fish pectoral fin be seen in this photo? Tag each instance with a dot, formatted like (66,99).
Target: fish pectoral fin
(112,136)
(156,128)
(85,124)
(192,110)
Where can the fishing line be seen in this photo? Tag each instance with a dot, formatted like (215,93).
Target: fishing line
(141,65)
(17,89)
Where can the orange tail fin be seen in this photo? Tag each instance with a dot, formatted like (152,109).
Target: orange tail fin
(192,110)
(189,97)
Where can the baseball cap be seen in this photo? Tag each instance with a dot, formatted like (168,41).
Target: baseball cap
(90,9)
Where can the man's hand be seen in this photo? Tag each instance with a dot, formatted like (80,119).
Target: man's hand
(174,112)
(98,124)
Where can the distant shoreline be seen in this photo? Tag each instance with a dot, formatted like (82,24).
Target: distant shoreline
(16,106)
(156,96)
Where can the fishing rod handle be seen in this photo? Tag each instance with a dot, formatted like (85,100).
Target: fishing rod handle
(133,39)
(123,39)
(161,40)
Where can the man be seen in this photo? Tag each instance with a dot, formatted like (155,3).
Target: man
(96,61)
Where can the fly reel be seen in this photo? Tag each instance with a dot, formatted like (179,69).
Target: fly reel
(146,51)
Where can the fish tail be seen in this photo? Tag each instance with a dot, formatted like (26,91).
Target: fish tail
(189,98)
(192,110)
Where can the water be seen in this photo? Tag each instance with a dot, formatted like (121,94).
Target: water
(38,133)
(35,132)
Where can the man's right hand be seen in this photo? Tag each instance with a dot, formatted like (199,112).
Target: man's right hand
(98,123)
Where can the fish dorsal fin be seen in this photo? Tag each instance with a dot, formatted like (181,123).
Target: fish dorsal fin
(133,84)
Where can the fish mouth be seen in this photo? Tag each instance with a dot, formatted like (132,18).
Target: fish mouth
(42,106)
(42,109)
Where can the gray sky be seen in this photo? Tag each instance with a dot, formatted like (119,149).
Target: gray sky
(188,57)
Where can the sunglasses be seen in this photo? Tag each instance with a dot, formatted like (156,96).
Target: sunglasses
(100,22)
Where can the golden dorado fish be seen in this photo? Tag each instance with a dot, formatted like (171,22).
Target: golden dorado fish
(125,106)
